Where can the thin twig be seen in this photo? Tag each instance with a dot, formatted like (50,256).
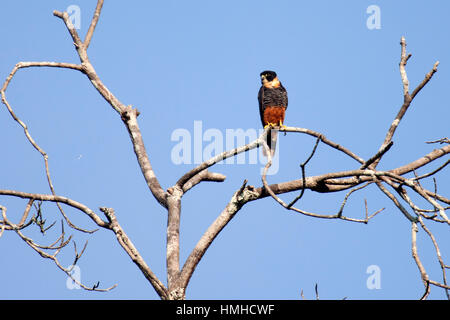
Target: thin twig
(432,172)
(94,21)
(423,273)
(440,141)
(302,166)
(438,255)
(133,253)
(377,156)
(407,97)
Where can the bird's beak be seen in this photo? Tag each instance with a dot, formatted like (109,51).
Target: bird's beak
(263,77)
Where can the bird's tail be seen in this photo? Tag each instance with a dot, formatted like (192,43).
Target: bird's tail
(271,141)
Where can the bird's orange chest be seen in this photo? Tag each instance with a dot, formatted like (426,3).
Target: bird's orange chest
(274,115)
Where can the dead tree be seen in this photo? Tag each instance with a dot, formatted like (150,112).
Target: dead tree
(392,183)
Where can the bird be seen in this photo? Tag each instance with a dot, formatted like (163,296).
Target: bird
(273,102)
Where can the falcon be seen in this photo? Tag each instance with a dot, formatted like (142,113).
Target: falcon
(273,101)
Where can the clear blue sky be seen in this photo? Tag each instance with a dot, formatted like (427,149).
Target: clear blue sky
(200,60)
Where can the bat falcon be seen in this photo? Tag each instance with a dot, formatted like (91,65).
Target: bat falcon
(273,102)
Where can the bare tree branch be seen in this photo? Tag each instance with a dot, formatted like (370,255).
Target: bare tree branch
(433,172)
(173,236)
(40,249)
(18,66)
(133,253)
(377,156)
(239,198)
(423,273)
(302,166)
(438,255)
(54,198)
(220,157)
(128,114)
(338,215)
(396,202)
(407,97)
(204,175)
(324,140)
(90,32)
(440,141)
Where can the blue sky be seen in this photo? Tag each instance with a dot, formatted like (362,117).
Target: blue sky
(178,62)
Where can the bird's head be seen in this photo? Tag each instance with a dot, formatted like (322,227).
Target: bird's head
(269,78)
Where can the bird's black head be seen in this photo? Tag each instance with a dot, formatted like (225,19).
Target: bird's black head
(268,75)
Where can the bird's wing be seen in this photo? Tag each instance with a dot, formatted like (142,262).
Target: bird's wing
(285,97)
(261,104)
